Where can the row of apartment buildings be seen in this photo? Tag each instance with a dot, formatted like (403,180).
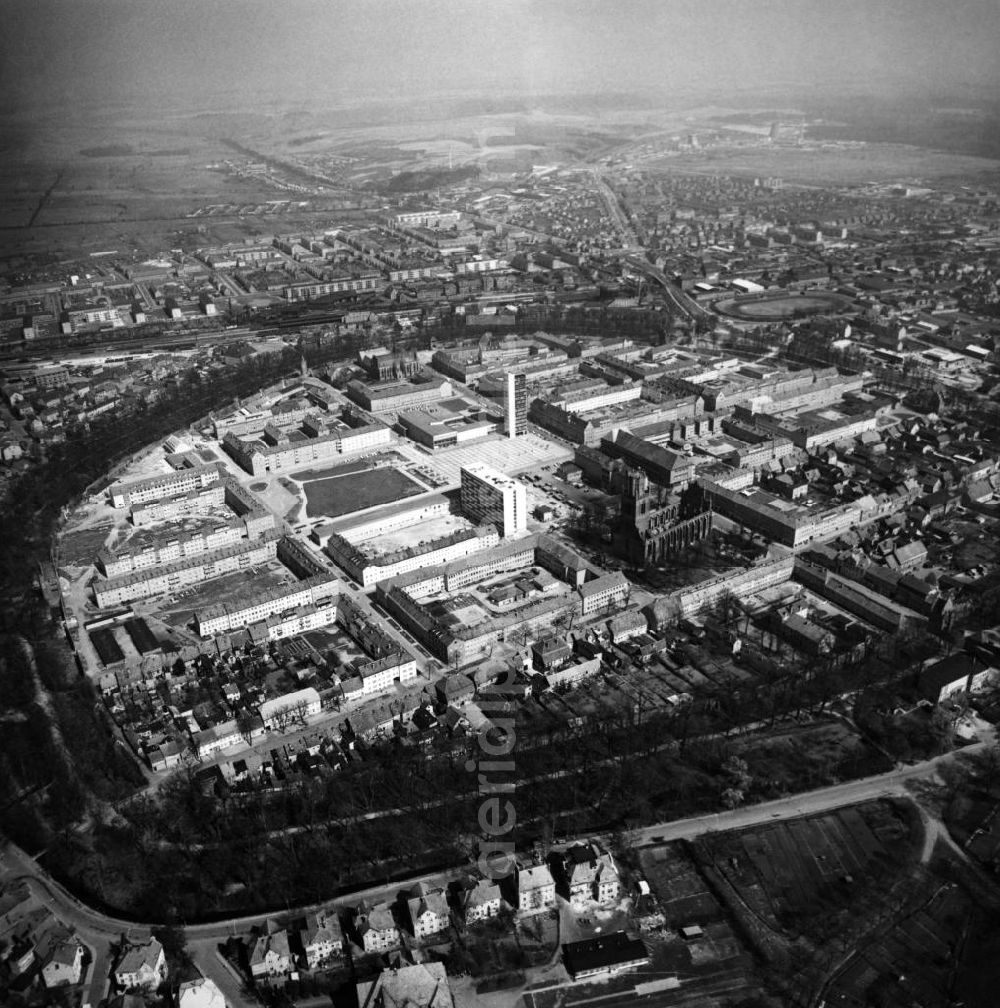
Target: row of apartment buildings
(226,616)
(178,575)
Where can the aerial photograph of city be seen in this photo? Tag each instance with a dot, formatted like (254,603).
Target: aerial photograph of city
(500,504)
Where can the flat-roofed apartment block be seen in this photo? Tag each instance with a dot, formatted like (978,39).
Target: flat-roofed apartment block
(428,218)
(171,484)
(370,281)
(369,568)
(516,405)
(490,497)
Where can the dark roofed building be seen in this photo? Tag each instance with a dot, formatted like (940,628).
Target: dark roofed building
(661,465)
(607,954)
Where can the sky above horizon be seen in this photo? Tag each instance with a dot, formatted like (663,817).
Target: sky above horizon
(202,51)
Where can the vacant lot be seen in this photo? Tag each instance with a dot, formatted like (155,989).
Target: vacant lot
(79,548)
(339,495)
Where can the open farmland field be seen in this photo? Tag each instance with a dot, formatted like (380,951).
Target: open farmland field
(341,495)
(54,196)
(846,165)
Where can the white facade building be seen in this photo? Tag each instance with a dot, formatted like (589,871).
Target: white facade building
(490,497)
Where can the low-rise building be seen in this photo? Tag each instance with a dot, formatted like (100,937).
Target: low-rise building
(482,901)
(64,965)
(536,889)
(603,956)
(297,706)
(141,966)
(396,395)
(377,928)
(200,993)
(270,955)
(591,876)
(322,940)
(424,985)
(429,913)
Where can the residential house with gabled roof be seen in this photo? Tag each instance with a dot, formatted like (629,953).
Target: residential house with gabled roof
(911,555)
(377,928)
(64,964)
(429,913)
(627,625)
(482,901)
(270,955)
(591,875)
(141,966)
(421,986)
(536,889)
(322,939)
(200,993)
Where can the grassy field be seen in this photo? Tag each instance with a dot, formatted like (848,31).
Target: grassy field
(336,496)
(782,306)
(79,548)
(818,165)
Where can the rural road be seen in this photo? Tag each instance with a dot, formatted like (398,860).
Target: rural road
(99,930)
(889,784)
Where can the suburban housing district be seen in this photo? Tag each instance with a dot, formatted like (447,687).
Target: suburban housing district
(738,435)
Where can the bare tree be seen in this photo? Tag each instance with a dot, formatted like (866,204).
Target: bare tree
(286,718)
